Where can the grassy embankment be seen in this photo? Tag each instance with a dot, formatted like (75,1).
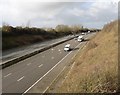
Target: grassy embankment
(96,68)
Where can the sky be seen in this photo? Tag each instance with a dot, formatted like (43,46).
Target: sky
(50,13)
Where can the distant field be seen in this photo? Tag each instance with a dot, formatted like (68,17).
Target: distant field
(96,68)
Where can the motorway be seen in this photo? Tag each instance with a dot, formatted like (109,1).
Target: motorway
(21,51)
(26,75)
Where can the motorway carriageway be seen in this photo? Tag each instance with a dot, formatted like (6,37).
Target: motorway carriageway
(34,74)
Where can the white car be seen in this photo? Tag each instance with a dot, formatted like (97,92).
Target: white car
(67,47)
(83,33)
(80,38)
(88,31)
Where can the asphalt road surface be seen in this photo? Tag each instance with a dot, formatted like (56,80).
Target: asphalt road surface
(25,76)
(20,51)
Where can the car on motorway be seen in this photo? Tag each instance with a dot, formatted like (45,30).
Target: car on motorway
(83,33)
(67,47)
(88,31)
(80,38)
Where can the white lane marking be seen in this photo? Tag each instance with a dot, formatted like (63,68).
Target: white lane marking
(8,75)
(69,72)
(53,81)
(40,65)
(20,78)
(52,58)
(72,65)
(74,56)
(47,72)
(28,64)
(76,53)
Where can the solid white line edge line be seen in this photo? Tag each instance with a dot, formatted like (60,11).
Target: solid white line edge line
(47,72)
(53,81)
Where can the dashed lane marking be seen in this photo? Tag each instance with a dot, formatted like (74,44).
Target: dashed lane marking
(8,75)
(40,65)
(20,78)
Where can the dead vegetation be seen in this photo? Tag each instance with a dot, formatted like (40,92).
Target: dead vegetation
(96,68)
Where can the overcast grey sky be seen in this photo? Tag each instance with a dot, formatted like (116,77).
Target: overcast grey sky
(91,14)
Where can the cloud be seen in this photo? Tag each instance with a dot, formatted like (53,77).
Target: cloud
(40,14)
(96,13)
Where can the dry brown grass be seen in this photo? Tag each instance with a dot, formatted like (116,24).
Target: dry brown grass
(96,67)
